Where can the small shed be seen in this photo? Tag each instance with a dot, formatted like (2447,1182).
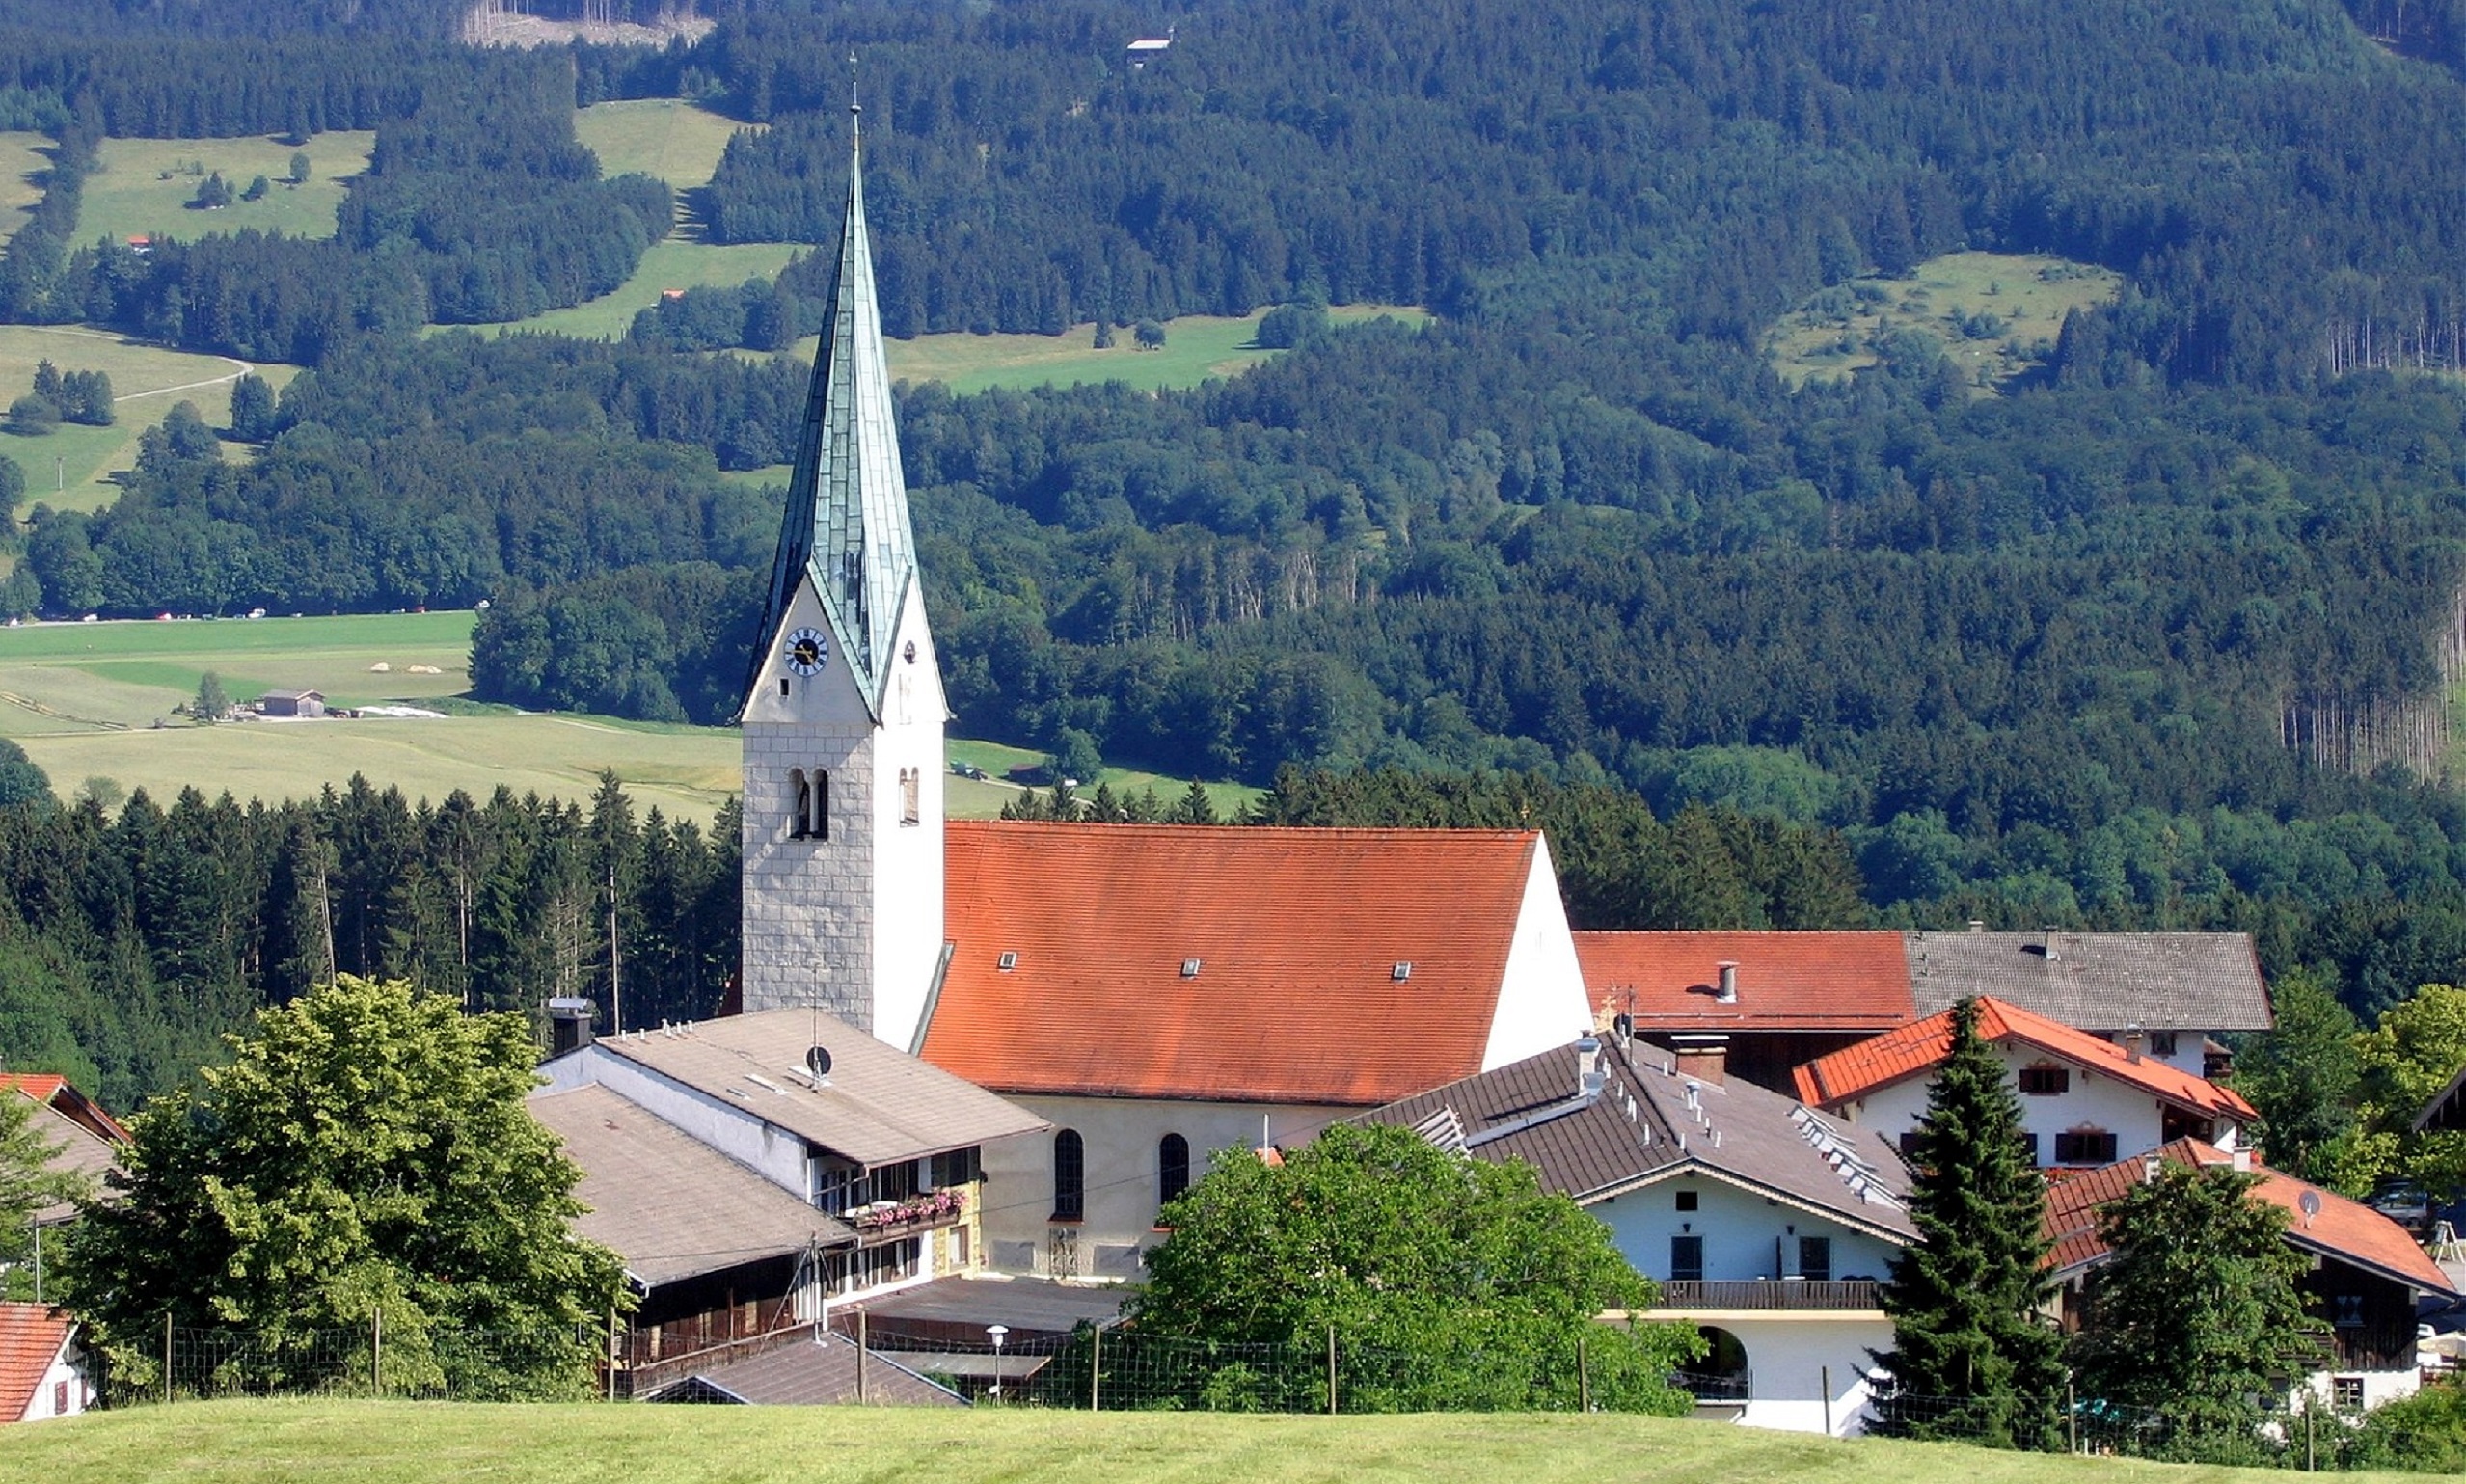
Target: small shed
(291,703)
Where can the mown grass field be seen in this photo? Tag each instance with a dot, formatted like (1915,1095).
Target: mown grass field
(83,700)
(678,262)
(1196,347)
(410,1442)
(70,468)
(145,185)
(1996,315)
(21,159)
(666,139)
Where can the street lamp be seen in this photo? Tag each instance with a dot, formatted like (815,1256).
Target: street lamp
(997,1333)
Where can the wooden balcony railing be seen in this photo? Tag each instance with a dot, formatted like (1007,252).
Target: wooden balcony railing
(1766,1293)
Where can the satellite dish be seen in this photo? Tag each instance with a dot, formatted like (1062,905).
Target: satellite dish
(2309,1202)
(818,1062)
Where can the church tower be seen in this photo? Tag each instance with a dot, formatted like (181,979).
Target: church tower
(843,711)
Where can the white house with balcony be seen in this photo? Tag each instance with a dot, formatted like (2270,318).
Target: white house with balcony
(1767,1224)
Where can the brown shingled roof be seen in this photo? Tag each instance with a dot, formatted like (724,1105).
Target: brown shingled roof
(2344,1230)
(1295,937)
(1915,1050)
(1786,980)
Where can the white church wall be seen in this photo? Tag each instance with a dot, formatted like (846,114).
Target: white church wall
(1543,1002)
(1121,1137)
(907,916)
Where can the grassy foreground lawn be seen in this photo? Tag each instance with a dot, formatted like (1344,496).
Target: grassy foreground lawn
(380,1442)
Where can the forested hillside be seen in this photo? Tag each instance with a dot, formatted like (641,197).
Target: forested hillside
(2088,645)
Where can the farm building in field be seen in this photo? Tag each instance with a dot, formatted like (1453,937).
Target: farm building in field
(1757,1005)
(291,703)
(1767,1224)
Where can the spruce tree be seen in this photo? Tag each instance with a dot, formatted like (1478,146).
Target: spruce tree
(1972,1355)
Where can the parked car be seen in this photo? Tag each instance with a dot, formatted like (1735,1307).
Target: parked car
(2404,1202)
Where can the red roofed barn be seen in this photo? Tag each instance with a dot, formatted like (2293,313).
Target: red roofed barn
(43,1368)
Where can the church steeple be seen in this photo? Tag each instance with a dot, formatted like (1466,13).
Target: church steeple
(846,523)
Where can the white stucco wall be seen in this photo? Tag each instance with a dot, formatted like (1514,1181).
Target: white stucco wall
(852,922)
(1543,1002)
(1120,1135)
(1794,1358)
(2379,1387)
(1739,1229)
(2131,1115)
(773,1152)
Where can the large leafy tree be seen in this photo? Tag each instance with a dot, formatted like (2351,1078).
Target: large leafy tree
(2196,1315)
(2302,1077)
(366,1158)
(2405,1061)
(1447,1282)
(1972,1355)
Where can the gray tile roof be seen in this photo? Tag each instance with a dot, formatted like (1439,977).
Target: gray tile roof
(2099,981)
(847,521)
(877,1106)
(669,1206)
(1643,1128)
(807,1374)
(74,1150)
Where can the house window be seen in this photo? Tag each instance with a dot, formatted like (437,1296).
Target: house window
(1909,1144)
(1687,1200)
(1070,1176)
(1815,1259)
(2345,1311)
(2085,1146)
(60,1398)
(907,788)
(834,1186)
(2029,1147)
(2161,1042)
(2045,1081)
(2346,1392)
(959,1167)
(1172,1166)
(1686,1260)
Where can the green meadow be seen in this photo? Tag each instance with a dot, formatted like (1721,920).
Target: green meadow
(1196,347)
(144,186)
(101,700)
(665,138)
(1996,315)
(412,1442)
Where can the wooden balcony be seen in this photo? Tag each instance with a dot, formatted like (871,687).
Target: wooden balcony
(885,1220)
(1775,1295)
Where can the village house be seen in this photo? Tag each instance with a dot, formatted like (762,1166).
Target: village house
(43,1369)
(2085,1101)
(2367,1274)
(753,1171)
(1758,1003)
(85,1142)
(1767,1224)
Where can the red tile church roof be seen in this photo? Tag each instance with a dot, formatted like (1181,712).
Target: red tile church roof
(31,1335)
(1914,1050)
(1786,980)
(1296,936)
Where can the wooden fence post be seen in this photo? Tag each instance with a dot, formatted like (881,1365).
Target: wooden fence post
(1825,1382)
(377,1350)
(167,1355)
(1584,1378)
(864,1343)
(1331,1370)
(1095,1369)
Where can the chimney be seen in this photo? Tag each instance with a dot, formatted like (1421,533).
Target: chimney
(1589,1078)
(1728,994)
(1977,925)
(2148,1168)
(2133,1039)
(569,1025)
(1704,1058)
(2241,1161)
(2051,943)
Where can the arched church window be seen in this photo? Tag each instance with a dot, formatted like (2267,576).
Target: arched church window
(1070,1176)
(800,803)
(910,785)
(1172,1166)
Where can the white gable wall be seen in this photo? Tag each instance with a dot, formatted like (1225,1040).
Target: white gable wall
(1740,1228)
(770,1152)
(64,1381)
(1542,1003)
(2094,1101)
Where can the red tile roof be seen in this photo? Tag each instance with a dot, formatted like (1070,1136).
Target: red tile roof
(52,1090)
(31,1335)
(1296,933)
(1786,980)
(2344,1230)
(1852,1072)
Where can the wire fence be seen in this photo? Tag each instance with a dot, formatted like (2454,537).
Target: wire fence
(426,1363)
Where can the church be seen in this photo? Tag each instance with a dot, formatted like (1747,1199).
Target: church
(1155,994)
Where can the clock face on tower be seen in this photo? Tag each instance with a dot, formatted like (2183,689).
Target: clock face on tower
(808,650)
